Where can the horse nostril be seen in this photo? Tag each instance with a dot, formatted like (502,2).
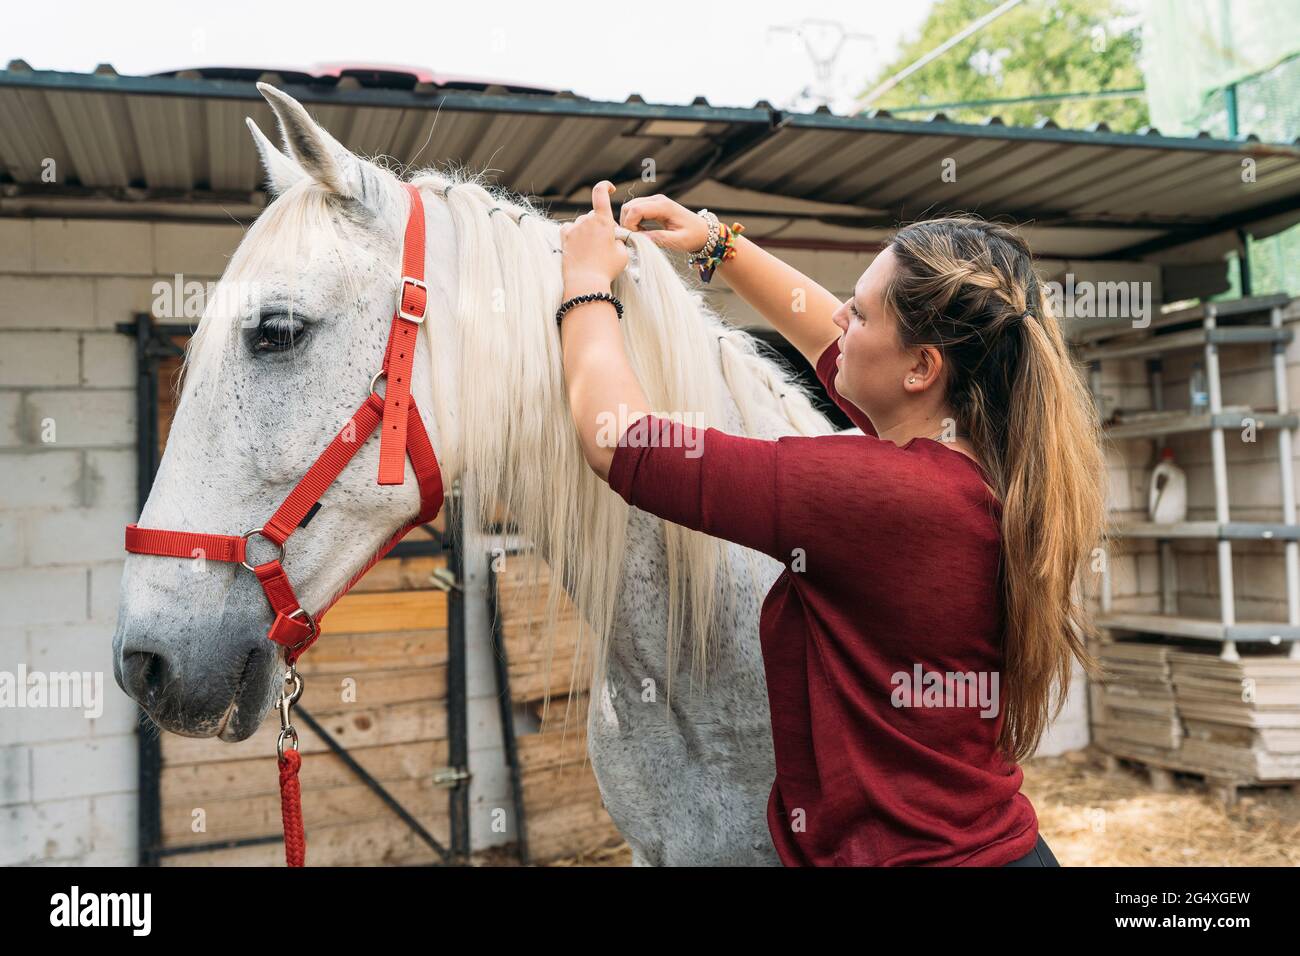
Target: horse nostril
(143,674)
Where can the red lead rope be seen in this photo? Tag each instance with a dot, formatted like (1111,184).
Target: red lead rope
(402,436)
(295,840)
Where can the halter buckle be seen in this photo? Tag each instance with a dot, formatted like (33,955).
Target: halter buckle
(401,297)
(312,627)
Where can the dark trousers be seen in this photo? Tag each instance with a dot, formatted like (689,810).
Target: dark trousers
(1040,855)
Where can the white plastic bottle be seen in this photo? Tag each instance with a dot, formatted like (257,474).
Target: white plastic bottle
(1168,499)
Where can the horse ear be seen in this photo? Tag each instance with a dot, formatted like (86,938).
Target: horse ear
(320,155)
(281,171)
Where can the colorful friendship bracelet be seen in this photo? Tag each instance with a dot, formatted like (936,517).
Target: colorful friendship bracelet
(723,250)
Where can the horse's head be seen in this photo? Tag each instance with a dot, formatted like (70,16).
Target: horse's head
(281,361)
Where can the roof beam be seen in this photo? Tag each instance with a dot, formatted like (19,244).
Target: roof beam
(1229,223)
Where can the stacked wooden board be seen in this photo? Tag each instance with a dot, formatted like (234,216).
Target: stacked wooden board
(1242,717)
(1138,698)
(563,812)
(1187,709)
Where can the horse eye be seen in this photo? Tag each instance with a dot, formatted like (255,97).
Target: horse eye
(277,332)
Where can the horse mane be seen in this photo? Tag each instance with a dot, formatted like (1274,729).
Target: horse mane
(519,451)
(520,448)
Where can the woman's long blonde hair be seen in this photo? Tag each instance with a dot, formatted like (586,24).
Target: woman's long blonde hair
(968,287)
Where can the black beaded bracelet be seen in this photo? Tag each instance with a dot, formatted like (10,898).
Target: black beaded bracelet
(588,297)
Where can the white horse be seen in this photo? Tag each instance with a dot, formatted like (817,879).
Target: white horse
(271,376)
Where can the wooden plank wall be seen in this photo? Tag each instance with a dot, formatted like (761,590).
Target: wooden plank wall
(565,817)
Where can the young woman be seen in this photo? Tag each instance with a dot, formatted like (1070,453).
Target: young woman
(928,603)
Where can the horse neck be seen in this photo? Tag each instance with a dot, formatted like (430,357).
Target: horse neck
(521,449)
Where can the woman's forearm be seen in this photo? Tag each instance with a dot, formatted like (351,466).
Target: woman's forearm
(604,394)
(797,307)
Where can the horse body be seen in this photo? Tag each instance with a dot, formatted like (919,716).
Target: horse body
(685,779)
(685,768)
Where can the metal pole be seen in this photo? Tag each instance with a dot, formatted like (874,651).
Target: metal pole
(1125,93)
(148,744)
(501,669)
(457,713)
(1098,400)
(1218,451)
(1243,263)
(1287,470)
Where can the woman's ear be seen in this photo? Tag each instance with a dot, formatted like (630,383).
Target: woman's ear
(926,371)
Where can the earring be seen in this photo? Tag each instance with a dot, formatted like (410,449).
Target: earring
(911,379)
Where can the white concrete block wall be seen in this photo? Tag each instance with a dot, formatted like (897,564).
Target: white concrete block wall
(67,487)
(1134,568)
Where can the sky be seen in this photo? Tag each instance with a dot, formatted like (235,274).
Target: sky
(668,52)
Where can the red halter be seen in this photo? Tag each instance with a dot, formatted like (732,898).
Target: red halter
(403,434)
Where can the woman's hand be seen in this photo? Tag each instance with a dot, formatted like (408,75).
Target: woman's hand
(682,230)
(593,257)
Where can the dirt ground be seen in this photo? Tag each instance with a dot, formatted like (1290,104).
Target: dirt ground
(1091,817)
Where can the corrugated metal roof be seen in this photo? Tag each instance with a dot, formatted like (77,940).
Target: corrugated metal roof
(180,138)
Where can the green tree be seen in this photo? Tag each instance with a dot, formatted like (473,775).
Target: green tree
(1042,46)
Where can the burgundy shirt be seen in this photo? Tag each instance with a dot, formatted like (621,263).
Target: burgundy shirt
(889,596)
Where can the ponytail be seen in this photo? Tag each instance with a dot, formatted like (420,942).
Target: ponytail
(968,287)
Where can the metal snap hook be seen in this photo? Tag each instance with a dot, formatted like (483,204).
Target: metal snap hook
(288,734)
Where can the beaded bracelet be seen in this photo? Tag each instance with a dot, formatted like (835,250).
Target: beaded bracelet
(588,297)
(722,251)
(702,253)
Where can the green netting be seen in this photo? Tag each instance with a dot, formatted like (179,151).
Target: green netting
(1194,50)
(1230,67)
(1267,105)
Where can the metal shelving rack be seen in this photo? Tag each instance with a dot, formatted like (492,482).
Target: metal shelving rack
(1164,336)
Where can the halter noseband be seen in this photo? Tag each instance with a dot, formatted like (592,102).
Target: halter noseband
(402,435)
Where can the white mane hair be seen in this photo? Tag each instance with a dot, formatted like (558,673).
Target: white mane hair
(515,439)
(520,447)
